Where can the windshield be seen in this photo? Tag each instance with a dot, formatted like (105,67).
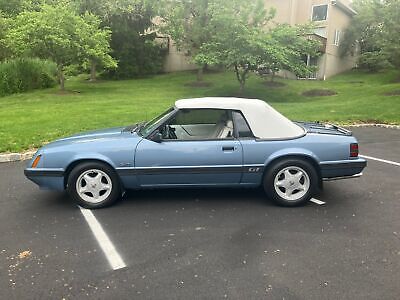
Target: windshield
(153,124)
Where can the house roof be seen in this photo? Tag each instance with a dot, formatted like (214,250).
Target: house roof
(264,121)
(345,7)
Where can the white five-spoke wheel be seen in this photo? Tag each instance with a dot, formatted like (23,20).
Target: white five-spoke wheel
(291,182)
(93,185)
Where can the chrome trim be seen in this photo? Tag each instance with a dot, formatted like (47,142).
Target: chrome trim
(343,177)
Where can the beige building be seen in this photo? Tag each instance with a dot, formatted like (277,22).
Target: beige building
(331,18)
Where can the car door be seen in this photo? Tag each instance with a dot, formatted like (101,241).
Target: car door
(197,147)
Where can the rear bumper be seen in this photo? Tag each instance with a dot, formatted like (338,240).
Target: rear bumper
(335,170)
(47,179)
(343,177)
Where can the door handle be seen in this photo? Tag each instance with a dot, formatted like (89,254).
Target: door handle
(230,149)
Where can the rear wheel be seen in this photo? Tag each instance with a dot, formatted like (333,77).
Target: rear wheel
(291,182)
(93,185)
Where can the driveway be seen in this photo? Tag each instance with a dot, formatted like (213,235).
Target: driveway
(208,244)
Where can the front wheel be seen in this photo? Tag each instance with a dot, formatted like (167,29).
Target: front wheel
(93,185)
(291,182)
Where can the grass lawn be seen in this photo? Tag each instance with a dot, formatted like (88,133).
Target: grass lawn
(28,120)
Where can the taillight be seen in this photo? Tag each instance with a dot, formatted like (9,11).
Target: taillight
(354,150)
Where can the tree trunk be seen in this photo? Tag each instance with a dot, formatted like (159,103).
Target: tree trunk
(200,73)
(92,71)
(272,76)
(241,78)
(61,78)
(242,84)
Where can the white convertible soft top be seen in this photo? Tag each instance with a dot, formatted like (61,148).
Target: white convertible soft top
(264,121)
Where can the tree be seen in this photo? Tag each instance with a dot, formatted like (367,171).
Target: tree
(286,47)
(11,7)
(4,51)
(374,31)
(390,39)
(186,22)
(59,34)
(243,40)
(95,45)
(132,45)
(236,37)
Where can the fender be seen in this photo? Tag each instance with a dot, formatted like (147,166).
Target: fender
(291,152)
(91,156)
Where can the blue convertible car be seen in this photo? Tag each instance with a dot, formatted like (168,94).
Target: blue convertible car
(212,142)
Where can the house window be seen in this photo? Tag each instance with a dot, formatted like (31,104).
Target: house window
(320,12)
(310,61)
(336,40)
(320,32)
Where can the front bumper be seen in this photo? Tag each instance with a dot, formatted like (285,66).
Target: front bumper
(47,179)
(344,169)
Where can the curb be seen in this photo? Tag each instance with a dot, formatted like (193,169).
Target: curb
(374,125)
(12,157)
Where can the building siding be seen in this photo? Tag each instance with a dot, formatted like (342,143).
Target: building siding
(295,12)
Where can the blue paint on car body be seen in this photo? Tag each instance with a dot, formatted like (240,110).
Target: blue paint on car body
(141,162)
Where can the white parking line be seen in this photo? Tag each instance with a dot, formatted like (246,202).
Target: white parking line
(106,245)
(381,160)
(316,201)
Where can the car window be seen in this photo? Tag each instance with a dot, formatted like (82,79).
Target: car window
(199,124)
(153,124)
(241,126)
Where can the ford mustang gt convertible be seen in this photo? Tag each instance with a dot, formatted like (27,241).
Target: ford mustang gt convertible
(207,142)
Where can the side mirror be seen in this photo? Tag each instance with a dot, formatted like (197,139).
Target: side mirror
(156,137)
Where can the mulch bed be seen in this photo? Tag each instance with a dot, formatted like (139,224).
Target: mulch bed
(319,93)
(274,84)
(198,84)
(66,93)
(396,80)
(393,93)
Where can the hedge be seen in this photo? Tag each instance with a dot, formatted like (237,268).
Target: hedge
(24,74)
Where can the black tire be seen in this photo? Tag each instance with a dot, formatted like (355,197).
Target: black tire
(79,170)
(276,168)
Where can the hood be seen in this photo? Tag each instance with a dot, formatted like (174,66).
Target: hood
(90,136)
(95,134)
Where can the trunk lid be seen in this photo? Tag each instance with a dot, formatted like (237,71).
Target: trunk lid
(322,128)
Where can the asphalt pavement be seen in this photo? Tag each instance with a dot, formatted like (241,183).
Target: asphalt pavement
(208,244)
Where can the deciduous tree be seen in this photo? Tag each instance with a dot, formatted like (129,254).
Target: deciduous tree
(95,45)
(374,31)
(59,34)
(244,40)
(186,21)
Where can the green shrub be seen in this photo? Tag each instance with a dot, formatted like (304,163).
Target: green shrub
(136,57)
(24,74)
(374,61)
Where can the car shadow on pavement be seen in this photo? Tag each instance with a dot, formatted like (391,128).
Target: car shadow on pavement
(220,196)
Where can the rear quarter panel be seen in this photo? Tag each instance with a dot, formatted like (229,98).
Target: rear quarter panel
(318,147)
